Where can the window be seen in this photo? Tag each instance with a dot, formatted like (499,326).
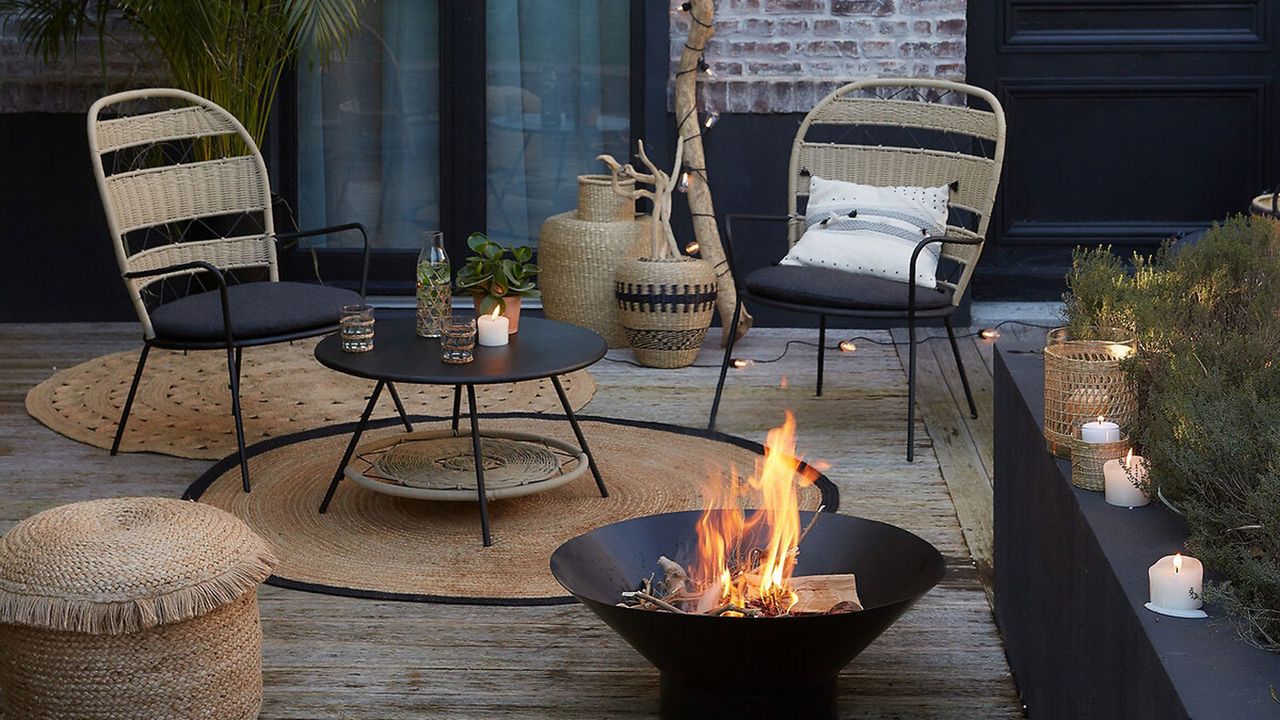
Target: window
(459,116)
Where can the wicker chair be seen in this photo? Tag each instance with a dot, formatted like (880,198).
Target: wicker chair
(886,132)
(188,204)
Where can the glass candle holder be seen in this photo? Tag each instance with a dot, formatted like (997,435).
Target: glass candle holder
(458,341)
(356,328)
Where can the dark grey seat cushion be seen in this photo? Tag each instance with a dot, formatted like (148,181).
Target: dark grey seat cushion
(824,287)
(258,309)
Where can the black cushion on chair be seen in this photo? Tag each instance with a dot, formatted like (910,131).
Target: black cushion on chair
(258,309)
(824,287)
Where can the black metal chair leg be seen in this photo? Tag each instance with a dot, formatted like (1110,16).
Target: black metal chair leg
(351,446)
(237,372)
(582,440)
(128,401)
(479,459)
(404,416)
(964,377)
(233,367)
(822,349)
(911,387)
(724,364)
(457,406)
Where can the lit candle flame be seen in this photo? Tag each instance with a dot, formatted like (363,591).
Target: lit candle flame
(1177,563)
(1100,420)
(1128,460)
(496,310)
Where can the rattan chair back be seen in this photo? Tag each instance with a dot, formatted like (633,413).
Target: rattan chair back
(168,163)
(913,132)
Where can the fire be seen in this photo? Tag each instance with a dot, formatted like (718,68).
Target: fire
(747,562)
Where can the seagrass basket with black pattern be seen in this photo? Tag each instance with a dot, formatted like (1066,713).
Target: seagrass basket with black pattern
(665,307)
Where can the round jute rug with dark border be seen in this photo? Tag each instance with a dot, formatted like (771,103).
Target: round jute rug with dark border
(374,545)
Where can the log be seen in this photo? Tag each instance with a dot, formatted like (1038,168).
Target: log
(820,593)
(689,128)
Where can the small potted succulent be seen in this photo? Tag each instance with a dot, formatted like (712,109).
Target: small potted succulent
(498,277)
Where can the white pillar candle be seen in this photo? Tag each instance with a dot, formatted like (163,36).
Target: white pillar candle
(1120,476)
(492,329)
(1177,586)
(1100,431)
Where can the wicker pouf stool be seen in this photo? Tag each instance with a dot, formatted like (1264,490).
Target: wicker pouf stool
(131,608)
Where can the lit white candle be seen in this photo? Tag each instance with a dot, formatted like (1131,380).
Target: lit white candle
(492,329)
(1122,477)
(1100,431)
(1176,586)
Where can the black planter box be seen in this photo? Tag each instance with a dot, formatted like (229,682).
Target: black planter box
(1071,580)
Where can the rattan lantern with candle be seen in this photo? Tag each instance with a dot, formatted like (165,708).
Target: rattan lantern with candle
(1083,379)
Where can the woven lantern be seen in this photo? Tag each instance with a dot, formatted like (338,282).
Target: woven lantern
(131,609)
(1084,380)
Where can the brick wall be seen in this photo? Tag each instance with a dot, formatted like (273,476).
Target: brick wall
(777,56)
(71,84)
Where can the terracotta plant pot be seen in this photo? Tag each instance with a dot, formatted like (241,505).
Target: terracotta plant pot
(665,307)
(512,312)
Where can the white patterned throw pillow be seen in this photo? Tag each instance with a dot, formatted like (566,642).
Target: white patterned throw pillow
(872,230)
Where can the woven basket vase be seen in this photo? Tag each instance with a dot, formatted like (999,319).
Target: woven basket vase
(665,306)
(1082,381)
(131,609)
(579,252)
(1087,460)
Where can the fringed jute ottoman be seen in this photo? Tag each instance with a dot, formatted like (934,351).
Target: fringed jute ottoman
(131,609)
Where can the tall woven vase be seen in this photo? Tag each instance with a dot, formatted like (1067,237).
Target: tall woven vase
(665,306)
(579,251)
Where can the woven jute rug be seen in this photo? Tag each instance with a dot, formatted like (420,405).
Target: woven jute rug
(183,406)
(374,545)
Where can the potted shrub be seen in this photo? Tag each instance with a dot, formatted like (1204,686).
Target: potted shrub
(498,277)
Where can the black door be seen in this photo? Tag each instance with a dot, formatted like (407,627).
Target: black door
(1129,121)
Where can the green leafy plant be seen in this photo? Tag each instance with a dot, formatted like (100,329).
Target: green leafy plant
(232,52)
(493,273)
(1207,370)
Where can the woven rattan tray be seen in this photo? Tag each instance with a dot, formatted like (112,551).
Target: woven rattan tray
(438,465)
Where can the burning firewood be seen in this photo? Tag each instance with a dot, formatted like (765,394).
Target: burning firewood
(675,579)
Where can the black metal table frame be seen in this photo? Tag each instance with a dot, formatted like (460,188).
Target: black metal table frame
(475,442)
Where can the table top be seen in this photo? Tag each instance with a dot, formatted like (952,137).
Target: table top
(540,349)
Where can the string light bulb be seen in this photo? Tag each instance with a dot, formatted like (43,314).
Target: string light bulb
(686,6)
(705,67)
(847,346)
(711,120)
(989,333)
(740,362)
(683,184)
(692,248)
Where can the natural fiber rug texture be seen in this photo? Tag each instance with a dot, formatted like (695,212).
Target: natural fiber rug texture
(370,544)
(183,405)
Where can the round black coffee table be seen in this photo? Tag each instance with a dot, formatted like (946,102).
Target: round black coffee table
(542,349)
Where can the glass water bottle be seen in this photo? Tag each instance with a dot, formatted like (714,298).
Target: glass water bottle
(435,298)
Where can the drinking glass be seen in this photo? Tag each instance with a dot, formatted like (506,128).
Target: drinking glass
(356,328)
(457,341)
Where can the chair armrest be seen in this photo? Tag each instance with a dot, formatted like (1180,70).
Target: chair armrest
(196,265)
(728,237)
(915,255)
(333,229)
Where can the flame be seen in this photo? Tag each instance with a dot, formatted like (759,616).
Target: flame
(1177,562)
(748,561)
(1100,420)
(496,310)
(1128,459)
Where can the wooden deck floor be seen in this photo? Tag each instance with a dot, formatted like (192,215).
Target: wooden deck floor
(330,657)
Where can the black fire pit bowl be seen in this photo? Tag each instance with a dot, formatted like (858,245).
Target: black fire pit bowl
(749,667)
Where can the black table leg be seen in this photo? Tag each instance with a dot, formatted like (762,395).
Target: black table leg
(479,458)
(457,406)
(582,440)
(351,446)
(404,416)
